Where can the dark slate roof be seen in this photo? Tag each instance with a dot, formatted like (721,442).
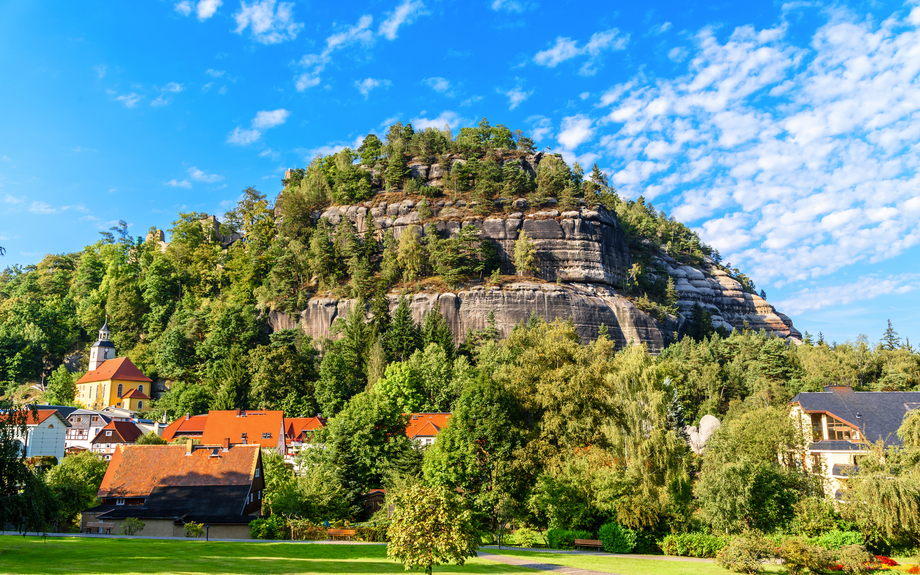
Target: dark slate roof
(178,502)
(86,416)
(878,414)
(64,410)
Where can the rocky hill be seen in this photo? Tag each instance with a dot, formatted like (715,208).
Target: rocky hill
(583,261)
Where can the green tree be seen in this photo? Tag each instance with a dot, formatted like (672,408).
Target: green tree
(371,150)
(150,438)
(402,339)
(525,254)
(62,388)
(890,340)
(430,526)
(77,478)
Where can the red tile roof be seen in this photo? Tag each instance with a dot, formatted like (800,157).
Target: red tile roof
(295,426)
(135,470)
(126,432)
(135,394)
(426,424)
(120,368)
(185,425)
(39,416)
(233,424)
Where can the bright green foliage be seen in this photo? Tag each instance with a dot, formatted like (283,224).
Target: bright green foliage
(430,526)
(371,150)
(401,385)
(565,538)
(75,481)
(525,255)
(745,553)
(150,438)
(692,544)
(131,526)
(62,387)
(616,538)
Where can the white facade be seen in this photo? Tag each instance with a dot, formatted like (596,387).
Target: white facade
(45,438)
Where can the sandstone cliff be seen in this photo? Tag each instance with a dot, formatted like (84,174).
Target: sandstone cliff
(584,251)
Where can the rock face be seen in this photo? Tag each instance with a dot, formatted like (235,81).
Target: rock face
(723,297)
(698,438)
(588,306)
(581,245)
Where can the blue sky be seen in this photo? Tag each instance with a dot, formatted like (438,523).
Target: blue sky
(786,133)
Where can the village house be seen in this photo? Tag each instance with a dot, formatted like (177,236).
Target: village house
(44,435)
(424,428)
(112,381)
(841,423)
(239,427)
(167,486)
(299,431)
(84,425)
(115,433)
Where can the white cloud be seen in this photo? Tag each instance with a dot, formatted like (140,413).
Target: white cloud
(184,7)
(405,13)
(202,176)
(366,85)
(129,100)
(178,184)
(8,199)
(471,100)
(661,28)
(172,87)
(511,5)
(802,158)
(263,120)
(567,49)
(515,96)
(541,128)
(268,24)
(867,287)
(446,118)
(677,54)
(269,119)
(207,8)
(100,70)
(575,131)
(314,64)
(438,84)
(44,208)
(214,73)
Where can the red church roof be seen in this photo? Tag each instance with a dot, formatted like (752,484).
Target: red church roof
(120,368)
(426,424)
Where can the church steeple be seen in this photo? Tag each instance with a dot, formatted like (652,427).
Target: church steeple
(102,350)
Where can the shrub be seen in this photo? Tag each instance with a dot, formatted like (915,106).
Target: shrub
(301,530)
(274,527)
(836,539)
(854,559)
(193,529)
(565,538)
(692,544)
(131,526)
(799,555)
(525,538)
(617,539)
(745,553)
(372,532)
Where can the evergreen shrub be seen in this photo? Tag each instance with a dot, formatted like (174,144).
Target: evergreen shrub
(693,544)
(617,539)
(565,538)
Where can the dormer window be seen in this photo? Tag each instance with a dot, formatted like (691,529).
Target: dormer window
(267,435)
(120,501)
(108,434)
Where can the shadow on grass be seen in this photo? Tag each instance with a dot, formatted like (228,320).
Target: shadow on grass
(32,555)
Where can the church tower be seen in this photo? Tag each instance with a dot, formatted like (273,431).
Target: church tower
(102,350)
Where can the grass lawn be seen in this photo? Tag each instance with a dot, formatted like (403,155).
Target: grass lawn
(626,565)
(134,556)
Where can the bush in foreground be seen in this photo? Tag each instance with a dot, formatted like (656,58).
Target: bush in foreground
(693,544)
(800,556)
(617,539)
(565,538)
(745,553)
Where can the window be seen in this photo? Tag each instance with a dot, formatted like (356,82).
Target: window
(840,431)
(257,471)
(140,388)
(267,435)
(108,434)
(120,389)
(140,405)
(120,501)
(817,431)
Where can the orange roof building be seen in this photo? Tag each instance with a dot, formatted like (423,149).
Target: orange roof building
(168,486)
(111,378)
(115,433)
(302,428)
(425,427)
(239,427)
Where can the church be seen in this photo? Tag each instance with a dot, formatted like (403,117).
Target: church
(112,381)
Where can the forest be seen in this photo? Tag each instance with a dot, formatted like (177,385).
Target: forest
(547,431)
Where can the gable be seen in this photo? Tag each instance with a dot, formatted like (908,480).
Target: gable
(120,368)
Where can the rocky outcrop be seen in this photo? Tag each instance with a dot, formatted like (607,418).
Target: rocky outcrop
(579,245)
(588,306)
(723,297)
(698,438)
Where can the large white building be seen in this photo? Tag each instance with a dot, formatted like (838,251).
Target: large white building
(45,433)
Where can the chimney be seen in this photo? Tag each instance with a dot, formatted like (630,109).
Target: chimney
(189,446)
(226,444)
(838,388)
(187,414)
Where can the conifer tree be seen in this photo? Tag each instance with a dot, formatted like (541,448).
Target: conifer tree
(321,255)
(403,337)
(890,340)
(397,168)
(436,330)
(411,254)
(369,243)
(525,255)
